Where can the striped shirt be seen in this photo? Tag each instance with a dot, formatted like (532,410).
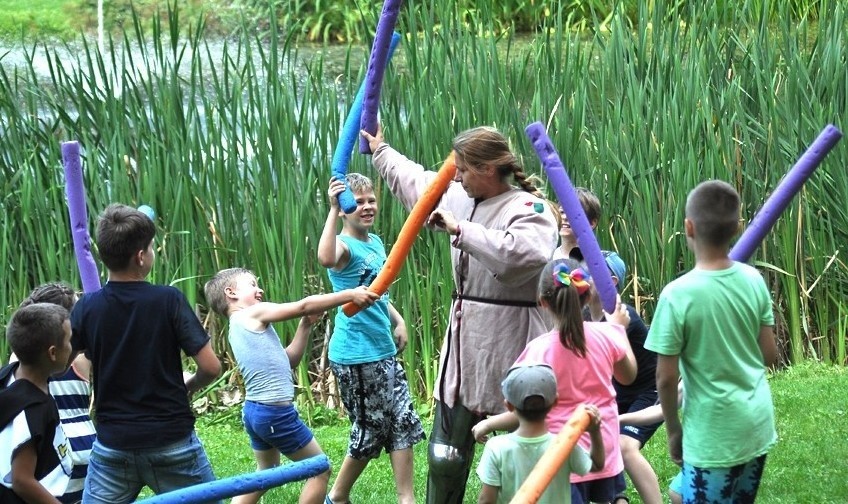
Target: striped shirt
(28,415)
(72,395)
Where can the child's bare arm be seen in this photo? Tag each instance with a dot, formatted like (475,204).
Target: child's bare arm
(488,494)
(768,346)
(297,347)
(624,370)
(267,313)
(24,483)
(647,416)
(597,452)
(401,336)
(208,369)
(332,252)
(507,421)
(668,374)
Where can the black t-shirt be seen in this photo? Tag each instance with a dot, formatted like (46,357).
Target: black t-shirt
(29,415)
(133,333)
(646,360)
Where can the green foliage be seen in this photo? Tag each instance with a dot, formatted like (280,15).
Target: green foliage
(351,20)
(230,141)
(810,407)
(35,19)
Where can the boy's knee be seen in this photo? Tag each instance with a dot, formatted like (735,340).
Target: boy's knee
(629,446)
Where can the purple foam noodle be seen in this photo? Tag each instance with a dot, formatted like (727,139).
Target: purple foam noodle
(376,69)
(564,190)
(348,136)
(788,187)
(75,194)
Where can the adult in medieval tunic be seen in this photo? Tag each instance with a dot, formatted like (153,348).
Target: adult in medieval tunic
(501,237)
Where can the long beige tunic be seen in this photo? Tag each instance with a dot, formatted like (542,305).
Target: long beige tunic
(503,244)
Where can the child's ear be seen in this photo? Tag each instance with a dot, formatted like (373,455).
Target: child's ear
(509,406)
(139,258)
(689,228)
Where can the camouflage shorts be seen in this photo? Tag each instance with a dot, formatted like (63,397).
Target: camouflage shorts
(376,397)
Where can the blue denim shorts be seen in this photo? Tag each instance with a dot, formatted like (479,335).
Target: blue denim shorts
(738,484)
(117,476)
(279,427)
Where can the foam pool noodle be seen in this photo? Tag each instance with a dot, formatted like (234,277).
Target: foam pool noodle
(574,212)
(376,69)
(75,194)
(347,139)
(788,187)
(411,227)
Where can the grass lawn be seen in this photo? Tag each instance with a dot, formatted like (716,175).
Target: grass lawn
(807,465)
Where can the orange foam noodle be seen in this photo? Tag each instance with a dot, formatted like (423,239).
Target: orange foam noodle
(553,459)
(414,222)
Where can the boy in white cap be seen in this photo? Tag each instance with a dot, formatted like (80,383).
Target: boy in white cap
(530,390)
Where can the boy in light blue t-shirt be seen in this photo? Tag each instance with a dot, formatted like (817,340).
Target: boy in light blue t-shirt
(530,391)
(714,327)
(362,350)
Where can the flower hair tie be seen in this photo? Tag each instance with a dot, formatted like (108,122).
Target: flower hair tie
(564,277)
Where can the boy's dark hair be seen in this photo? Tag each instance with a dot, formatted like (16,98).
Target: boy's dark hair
(54,292)
(534,409)
(214,289)
(590,203)
(121,232)
(35,328)
(713,208)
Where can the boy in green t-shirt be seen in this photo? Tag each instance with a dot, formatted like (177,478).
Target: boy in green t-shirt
(714,327)
(530,390)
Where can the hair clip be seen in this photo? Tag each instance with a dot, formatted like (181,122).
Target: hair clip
(564,277)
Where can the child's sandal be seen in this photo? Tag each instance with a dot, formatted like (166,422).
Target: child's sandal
(328,500)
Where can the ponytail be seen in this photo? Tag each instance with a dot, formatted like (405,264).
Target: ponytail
(564,286)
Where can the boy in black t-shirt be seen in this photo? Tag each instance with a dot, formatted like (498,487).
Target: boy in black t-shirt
(35,457)
(133,332)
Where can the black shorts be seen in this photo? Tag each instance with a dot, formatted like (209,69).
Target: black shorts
(638,402)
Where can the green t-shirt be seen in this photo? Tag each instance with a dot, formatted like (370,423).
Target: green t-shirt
(712,320)
(509,458)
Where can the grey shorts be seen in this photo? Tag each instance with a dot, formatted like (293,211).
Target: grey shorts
(376,397)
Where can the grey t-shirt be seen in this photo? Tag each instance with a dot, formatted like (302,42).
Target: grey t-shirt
(263,364)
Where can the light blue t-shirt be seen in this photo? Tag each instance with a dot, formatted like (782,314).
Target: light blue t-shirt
(508,459)
(262,362)
(712,320)
(367,336)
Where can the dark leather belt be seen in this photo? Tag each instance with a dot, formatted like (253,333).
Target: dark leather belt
(499,302)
